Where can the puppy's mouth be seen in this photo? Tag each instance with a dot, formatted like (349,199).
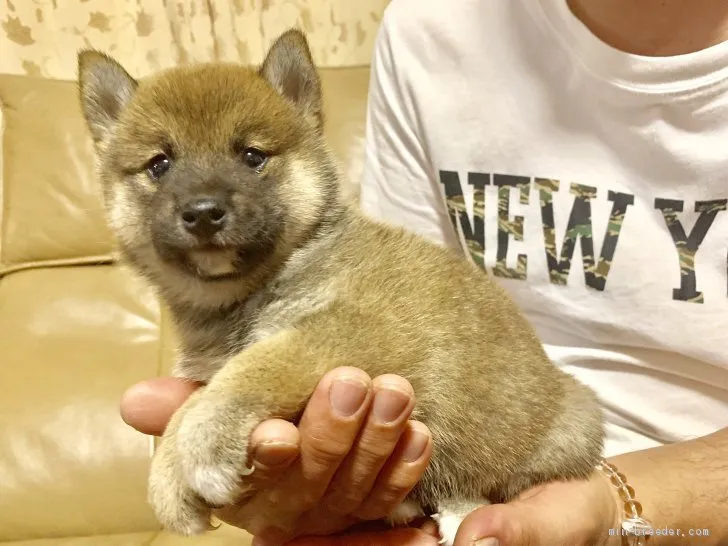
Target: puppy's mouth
(215,263)
(217,259)
(225,263)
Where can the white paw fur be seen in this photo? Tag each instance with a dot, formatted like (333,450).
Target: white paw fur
(218,485)
(174,503)
(212,456)
(450,515)
(448,524)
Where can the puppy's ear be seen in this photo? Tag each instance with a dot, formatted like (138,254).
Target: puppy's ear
(289,68)
(105,88)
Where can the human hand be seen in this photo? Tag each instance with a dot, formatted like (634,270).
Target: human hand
(423,535)
(354,456)
(573,513)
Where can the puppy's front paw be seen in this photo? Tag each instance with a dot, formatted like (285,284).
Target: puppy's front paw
(212,445)
(177,507)
(201,463)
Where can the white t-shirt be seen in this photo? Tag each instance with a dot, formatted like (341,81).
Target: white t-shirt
(574,172)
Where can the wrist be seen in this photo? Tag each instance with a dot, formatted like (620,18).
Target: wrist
(632,527)
(613,510)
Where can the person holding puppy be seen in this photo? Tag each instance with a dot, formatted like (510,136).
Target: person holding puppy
(575,149)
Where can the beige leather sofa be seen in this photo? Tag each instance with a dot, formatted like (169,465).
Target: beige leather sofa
(76,329)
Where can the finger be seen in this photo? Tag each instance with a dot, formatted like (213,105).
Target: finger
(391,407)
(148,406)
(424,523)
(538,518)
(401,473)
(274,446)
(328,429)
(396,537)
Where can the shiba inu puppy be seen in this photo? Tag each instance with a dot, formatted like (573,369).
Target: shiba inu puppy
(224,196)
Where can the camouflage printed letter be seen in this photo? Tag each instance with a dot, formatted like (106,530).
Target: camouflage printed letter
(580,227)
(474,234)
(598,278)
(687,246)
(508,227)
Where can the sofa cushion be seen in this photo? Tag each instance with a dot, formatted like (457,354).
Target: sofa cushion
(73,339)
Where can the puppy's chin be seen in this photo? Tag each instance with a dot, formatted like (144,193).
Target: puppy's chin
(226,263)
(215,264)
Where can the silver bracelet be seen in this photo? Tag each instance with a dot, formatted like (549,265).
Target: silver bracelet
(635,529)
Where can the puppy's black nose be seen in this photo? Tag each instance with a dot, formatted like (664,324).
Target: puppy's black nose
(204,217)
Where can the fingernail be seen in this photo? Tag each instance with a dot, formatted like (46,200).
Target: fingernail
(416,446)
(274,453)
(490,541)
(347,395)
(389,404)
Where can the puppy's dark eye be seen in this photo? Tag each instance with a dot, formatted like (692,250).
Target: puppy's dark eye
(254,158)
(158,165)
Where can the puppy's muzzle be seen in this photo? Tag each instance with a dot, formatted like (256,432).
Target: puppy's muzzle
(204,217)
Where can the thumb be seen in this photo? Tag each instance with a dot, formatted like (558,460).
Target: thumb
(496,525)
(543,517)
(148,406)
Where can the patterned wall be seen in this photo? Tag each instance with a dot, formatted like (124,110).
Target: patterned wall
(41,37)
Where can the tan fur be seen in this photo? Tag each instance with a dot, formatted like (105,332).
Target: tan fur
(335,288)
